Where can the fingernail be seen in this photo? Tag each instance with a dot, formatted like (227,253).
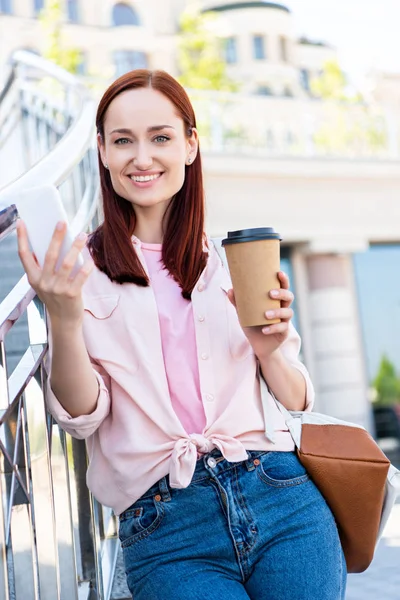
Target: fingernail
(265,329)
(18,224)
(274,293)
(60,225)
(82,236)
(270,314)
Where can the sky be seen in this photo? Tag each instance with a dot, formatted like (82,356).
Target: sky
(366,33)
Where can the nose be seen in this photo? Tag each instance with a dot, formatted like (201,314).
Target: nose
(142,159)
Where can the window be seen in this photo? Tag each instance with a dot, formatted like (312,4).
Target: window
(230,50)
(123,14)
(305,79)
(286,267)
(81,67)
(287,92)
(270,139)
(258,47)
(38,5)
(6,7)
(264,90)
(72,11)
(283,48)
(381,333)
(127,60)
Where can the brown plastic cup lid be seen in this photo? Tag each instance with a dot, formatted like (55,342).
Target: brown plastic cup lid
(251,235)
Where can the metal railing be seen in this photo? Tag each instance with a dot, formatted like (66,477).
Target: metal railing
(271,127)
(56,541)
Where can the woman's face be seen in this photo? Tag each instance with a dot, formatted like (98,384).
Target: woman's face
(145,147)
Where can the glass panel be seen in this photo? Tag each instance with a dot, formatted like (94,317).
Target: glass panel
(258,47)
(123,14)
(72,11)
(38,5)
(264,90)
(230,50)
(286,267)
(6,7)
(379,304)
(305,79)
(127,60)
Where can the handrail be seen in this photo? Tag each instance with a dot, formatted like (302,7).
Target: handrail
(81,534)
(57,164)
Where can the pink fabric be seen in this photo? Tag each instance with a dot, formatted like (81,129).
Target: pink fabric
(134,436)
(178,339)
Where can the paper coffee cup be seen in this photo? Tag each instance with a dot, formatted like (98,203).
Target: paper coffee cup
(253,257)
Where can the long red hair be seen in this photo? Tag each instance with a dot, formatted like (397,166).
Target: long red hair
(111,243)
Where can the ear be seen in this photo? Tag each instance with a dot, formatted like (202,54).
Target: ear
(101,148)
(193,144)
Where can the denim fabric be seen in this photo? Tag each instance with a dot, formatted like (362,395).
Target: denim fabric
(258,529)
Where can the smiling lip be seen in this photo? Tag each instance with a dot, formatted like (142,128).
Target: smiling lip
(145,179)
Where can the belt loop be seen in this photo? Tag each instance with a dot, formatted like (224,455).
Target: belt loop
(249,462)
(164,490)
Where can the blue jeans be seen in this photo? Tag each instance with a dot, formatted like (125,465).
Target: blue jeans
(257,529)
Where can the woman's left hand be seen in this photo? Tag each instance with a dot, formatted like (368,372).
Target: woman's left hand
(265,339)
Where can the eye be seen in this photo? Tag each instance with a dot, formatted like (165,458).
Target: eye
(121,141)
(161,139)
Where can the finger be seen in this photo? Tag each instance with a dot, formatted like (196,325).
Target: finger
(231,296)
(31,267)
(284,279)
(282,327)
(54,248)
(81,277)
(285,296)
(285,314)
(71,257)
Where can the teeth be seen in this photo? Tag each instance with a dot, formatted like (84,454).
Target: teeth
(145,177)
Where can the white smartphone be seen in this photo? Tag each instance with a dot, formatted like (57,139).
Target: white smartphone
(41,208)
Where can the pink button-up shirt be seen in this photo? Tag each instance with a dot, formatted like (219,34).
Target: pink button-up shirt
(134,437)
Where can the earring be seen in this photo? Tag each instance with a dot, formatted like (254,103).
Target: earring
(189,160)
(105,165)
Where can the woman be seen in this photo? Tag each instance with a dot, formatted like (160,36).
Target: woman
(150,365)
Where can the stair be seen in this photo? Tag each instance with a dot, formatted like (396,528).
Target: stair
(120,589)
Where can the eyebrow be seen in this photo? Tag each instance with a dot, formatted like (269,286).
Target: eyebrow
(149,129)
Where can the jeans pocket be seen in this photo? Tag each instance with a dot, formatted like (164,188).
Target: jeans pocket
(140,520)
(281,469)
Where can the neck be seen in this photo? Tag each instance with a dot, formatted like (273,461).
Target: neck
(149,224)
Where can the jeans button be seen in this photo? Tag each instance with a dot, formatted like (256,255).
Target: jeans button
(211,462)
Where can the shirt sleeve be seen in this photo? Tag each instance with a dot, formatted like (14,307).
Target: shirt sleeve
(85,425)
(291,351)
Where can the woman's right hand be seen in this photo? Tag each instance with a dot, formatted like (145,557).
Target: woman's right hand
(58,290)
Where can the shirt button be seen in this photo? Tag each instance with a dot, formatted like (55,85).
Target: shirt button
(204,356)
(211,462)
(201,287)
(209,397)
(201,318)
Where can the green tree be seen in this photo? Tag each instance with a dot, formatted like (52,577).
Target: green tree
(332,84)
(387,383)
(350,125)
(51,19)
(200,54)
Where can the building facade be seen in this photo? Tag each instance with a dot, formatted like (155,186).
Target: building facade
(260,48)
